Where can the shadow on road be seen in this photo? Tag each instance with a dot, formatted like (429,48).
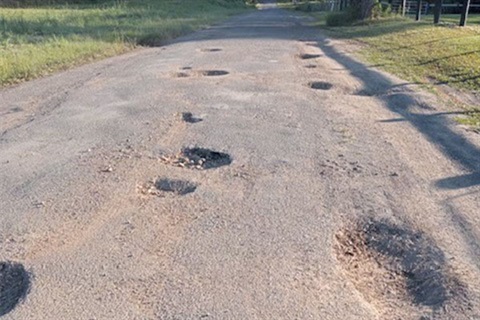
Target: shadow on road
(435,127)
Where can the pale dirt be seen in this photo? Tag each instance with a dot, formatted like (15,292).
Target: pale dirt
(256,239)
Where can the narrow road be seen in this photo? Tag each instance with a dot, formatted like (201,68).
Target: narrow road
(318,142)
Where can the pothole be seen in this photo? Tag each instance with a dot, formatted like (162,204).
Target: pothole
(320,85)
(179,187)
(15,109)
(181,75)
(14,285)
(198,158)
(213,73)
(186,68)
(310,66)
(307,56)
(188,117)
(365,93)
(393,265)
(211,50)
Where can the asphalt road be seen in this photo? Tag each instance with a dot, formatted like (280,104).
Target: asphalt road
(258,238)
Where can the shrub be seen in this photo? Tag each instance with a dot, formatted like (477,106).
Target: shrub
(341,18)
(381,11)
(351,15)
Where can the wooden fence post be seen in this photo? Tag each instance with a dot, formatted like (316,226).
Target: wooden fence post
(438,11)
(418,14)
(465,8)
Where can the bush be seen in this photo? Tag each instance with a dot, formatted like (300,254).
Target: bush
(351,15)
(381,11)
(341,18)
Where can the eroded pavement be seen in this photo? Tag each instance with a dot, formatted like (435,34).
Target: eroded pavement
(252,170)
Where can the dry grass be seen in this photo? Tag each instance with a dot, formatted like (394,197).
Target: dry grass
(40,40)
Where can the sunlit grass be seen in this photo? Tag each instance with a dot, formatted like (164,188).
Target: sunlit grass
(421,52)
(38,41)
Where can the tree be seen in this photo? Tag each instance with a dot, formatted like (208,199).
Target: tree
(438,11)
(364,8)
(463,19)
(419,10)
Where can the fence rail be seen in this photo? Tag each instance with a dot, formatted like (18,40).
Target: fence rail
(411,7)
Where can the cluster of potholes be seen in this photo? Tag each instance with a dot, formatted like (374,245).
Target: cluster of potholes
(15,280)
(188,71)
(316,85)
(197,158)
(192,157)
(390,262)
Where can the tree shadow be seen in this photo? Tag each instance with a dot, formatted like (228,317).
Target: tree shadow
(448,57)
(14,285)
(459,182)
(436,129)
(416,44)
(370,30)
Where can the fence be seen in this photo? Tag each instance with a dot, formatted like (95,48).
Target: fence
(427,8)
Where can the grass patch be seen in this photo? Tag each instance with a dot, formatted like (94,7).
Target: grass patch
(38,41)
(420,52)
(472,119)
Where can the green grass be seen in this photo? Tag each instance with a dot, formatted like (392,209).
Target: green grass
(472,119)
(421,52)
(38,41)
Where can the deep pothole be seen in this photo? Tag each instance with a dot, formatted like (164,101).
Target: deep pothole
(190,118)
(307,56)
(14,285)
(198,158)
(179,187)
(391,263)
(320,85)
(213,73)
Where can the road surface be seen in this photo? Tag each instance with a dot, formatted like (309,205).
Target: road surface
(261,237)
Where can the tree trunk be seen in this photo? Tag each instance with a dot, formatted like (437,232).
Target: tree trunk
(463,19)
(438,11)
(418,14)
(364,8)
